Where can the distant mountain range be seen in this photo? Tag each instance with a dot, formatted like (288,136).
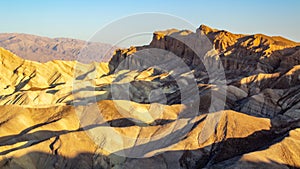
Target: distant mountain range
(43,49)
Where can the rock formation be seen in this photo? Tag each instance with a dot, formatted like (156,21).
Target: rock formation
(204,99)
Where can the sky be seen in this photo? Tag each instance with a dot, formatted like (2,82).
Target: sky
(82,19)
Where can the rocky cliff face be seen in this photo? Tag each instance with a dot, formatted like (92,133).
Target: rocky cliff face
(253,63)
(250,54)
(204,99)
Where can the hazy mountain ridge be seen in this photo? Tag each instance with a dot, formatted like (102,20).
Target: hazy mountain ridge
(257,128)
(43,49)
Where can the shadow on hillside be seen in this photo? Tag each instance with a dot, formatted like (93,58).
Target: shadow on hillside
(138,91)
(210,155)
(43,135)
(98,161)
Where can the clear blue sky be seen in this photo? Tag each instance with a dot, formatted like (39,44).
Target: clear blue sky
(80,19)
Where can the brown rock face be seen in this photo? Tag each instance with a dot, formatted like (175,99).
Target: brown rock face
(204,99)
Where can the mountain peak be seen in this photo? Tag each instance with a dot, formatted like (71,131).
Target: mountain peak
(206,29)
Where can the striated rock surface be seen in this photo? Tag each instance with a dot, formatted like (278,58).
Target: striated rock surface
(204,99)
